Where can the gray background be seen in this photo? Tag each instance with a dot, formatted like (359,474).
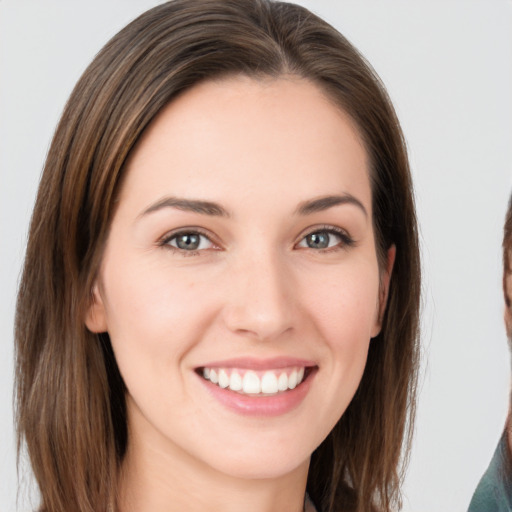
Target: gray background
(448,68)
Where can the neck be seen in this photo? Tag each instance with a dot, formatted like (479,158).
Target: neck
(161,477)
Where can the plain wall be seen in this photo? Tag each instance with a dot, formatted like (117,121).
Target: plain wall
(448,68)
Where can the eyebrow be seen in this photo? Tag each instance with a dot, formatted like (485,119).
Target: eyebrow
(188,205)
(324,203)
(214,209)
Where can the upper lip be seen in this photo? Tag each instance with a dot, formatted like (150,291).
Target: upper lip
(251,363)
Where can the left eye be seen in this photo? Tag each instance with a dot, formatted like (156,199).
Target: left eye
(189,241)
(321,240)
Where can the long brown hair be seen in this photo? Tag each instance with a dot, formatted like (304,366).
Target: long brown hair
(507,273)
(70,396)
(507,251)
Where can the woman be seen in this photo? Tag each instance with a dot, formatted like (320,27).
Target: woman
(219,304)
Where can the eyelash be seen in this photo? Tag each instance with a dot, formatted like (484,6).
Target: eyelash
(165,241)
(346,240)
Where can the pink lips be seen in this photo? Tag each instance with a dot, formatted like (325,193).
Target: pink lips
(260,404)
(251,363)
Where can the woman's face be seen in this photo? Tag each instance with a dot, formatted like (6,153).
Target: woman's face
(239,284)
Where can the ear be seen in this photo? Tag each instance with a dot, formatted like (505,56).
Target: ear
(385,279)
(95,317)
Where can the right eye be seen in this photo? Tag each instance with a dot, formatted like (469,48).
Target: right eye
(321,240)
(188,241)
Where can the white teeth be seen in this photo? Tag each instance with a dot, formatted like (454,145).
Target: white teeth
(223,379)
(292,380)
(235,383)
(253,383)
(282,383)
(269,383)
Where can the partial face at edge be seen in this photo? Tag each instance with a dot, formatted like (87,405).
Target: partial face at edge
(243,242)
(508,293)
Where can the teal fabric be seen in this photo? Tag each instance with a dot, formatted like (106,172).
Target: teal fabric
(494,491)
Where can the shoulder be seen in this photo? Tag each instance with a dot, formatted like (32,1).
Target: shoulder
(494,491)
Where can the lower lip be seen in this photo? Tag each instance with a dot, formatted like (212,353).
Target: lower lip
(260,405)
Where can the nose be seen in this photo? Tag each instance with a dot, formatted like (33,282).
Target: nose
(259,299)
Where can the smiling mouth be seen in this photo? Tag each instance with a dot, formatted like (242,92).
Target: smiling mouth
(256,383)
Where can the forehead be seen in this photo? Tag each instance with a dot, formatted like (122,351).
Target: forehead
(250,136)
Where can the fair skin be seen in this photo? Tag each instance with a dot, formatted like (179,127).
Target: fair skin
(267,280)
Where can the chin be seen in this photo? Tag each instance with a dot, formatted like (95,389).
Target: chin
(262,468)
(263,457)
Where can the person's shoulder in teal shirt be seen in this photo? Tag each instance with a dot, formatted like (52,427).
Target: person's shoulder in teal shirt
(494,491)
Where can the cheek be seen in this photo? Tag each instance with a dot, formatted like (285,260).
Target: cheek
(345,312)
(345,307)
(153,319)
